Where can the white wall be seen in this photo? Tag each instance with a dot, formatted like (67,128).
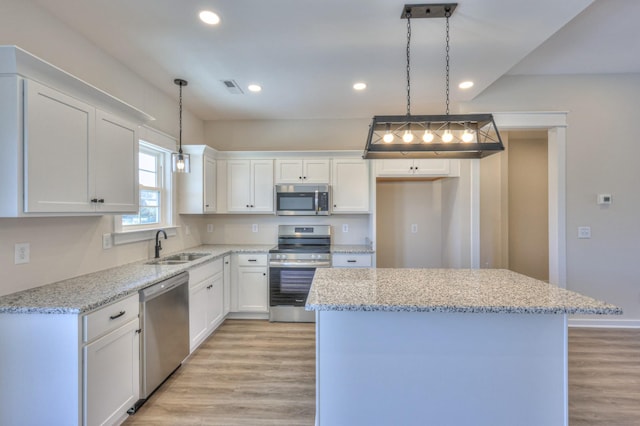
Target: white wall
(65,247)
(237,229)
(602,157)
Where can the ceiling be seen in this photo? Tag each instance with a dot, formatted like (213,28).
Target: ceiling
(307,55)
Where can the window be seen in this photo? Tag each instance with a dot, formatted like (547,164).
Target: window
(155,191)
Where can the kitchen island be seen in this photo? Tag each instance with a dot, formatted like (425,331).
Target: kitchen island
(442,347)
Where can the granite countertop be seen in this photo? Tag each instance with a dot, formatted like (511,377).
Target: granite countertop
(444,290)
(351,248)
(87,292)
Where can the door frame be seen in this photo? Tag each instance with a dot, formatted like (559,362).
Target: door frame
(555,122)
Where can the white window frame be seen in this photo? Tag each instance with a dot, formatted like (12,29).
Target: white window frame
(132,233)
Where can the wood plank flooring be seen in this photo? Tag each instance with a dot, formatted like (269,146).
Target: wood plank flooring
(604,377)
(246,373)
(261,373)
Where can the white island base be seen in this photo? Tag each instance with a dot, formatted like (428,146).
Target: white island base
(431,368)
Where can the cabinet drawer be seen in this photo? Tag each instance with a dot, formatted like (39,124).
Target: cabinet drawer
(200,273)
(360,260)
(110,317)
(252,260)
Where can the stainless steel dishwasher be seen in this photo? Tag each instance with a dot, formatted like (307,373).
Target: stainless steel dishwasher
(164,314)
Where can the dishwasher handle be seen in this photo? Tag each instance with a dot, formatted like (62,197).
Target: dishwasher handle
(164,286)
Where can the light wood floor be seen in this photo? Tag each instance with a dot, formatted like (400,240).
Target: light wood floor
(261,373)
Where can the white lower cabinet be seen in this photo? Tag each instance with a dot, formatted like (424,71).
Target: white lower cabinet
(355,260)
(111,375)
(250,285)
(111,362)
(206,301)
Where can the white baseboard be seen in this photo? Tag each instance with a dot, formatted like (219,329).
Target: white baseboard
(603,323)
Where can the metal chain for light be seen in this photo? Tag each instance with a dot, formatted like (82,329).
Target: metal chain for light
(447,15)
(408,62)
(180,120)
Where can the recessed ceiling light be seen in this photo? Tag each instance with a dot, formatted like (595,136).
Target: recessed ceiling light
(466,85)
(208,17)
(254,87)
(360,86)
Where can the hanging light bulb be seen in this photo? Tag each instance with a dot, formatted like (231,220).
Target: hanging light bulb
(447,136)
(467,136)
(388,136)
(428,136)
(407,137)
(180,162)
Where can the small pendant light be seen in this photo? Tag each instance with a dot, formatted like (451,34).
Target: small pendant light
(180,163)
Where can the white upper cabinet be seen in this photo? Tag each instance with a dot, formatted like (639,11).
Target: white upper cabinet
(68,148)
(302,170)
(250,186)
(197,190)
(350,185)
(417,167)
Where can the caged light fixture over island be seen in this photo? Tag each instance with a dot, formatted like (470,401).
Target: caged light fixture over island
(431,136)
(180,162)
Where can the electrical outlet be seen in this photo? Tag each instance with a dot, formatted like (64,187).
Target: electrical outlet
(22,253)
(209,227)
(254,227)
(584,232)
(345,227)
(106,241)
(187,230)
(414,228)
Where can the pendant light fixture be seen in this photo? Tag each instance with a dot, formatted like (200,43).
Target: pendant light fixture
(180,163)
(431,136)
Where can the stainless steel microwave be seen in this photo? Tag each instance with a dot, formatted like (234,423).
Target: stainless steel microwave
(302,200)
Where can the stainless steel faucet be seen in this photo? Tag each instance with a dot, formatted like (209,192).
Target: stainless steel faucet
(158,243)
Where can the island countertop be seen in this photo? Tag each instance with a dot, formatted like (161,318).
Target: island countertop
(444,290)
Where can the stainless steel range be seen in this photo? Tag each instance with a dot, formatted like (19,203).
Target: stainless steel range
(292,263)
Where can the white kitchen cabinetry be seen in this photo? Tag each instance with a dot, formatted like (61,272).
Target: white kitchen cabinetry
(250,186)
(302,170)
(197,190)
(111,362)
(351,260)
(206,301)
(60,144)
(418,167)
(226,279)
(350,186)
(250,288)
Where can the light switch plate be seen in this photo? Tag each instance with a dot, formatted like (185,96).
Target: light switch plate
(209,227)
(254,227)
(345,227)
(414,228)
(584,232)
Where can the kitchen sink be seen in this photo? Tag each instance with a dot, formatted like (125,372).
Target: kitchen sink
(177,259)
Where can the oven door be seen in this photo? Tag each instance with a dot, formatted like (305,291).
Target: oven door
(289,286)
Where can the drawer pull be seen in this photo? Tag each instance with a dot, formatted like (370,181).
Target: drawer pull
(210,286)
(351,261)
(252,260)
(117,315)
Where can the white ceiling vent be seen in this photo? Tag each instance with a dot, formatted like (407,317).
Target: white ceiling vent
(232,87)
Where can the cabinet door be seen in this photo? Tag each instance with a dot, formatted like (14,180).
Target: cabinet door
(289,171)
(198,314)
(394,167)
(252,289)
(58,139)
(215,290)
(350,186)
(262,185)
(316,171)
(116,165)
(238,185)
(431,167)
(209,185)
(111,375)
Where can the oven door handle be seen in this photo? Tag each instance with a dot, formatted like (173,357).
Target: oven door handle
(312,264)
